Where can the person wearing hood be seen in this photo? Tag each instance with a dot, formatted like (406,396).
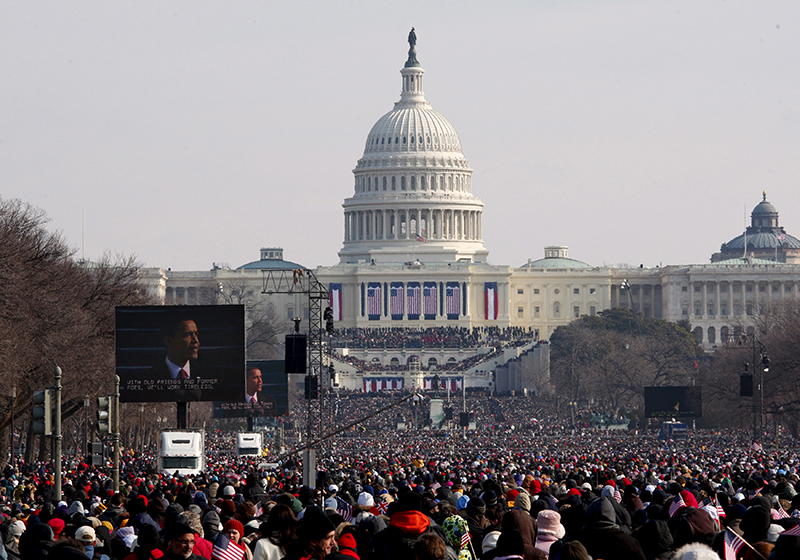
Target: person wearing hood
(211,525)
(656,539)
(520,520)
(478,524)
(550,529)
(603,538)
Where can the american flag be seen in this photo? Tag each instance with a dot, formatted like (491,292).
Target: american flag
(224,549)
(413,297)
(429,299)
(794,531)
(490,300)
(335,297)
(259,509)
(733,544)
(421,239)
(465,538)
(779,513)
(756,447)
(452,299)
(617,496)
(344,509)
(374,299)
(396,299)
(676,504)
(714,501)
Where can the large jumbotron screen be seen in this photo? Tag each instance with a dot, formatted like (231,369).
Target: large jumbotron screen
(271,400)
(673,402)
(180,353)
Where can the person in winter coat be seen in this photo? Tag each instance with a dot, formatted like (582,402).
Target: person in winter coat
(603,538)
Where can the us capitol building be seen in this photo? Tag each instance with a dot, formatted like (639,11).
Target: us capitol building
(413,254)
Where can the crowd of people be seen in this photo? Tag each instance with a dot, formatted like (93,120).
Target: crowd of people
(430,337)
(527,484)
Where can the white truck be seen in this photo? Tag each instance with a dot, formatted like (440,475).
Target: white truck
(248,444)
(182,451)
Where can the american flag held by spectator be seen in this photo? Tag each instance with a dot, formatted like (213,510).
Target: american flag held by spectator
(733,544)
(224,549)
(676,504)
(344,509)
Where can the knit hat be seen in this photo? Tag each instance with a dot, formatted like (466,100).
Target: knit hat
(57,525)
(228,491)
(523,502)
(17,528)
(365,500)
(315,524)
(550,523)
(490,541)
(246,509)
(234,524)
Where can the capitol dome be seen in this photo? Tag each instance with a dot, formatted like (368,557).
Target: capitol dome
(763,239)
(413,196)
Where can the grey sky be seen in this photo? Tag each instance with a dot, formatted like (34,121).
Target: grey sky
(194,132)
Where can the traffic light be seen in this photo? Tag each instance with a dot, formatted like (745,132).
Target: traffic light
(103,414)
(746,385)
(42,412)
(312,388)
(96,454)
(328,316)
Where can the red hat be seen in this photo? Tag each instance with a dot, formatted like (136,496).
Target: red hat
(57,525)
(234,524)
(574,492)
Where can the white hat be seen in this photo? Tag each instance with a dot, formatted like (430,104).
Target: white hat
(331,503)
(490,541)
(17,528)
(333,488)
(365,499)
(774,532)
(228,491)
(86,534)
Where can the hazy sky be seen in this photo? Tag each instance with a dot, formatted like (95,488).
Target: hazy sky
(194,132)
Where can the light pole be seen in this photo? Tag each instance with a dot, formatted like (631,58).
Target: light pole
(86,424)
(13,429)
(760,365)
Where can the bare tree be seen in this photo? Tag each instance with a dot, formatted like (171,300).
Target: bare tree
(55,311)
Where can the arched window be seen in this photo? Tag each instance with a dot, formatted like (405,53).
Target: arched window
(723,335)
(432,362)
(712,335)
(394,362)
(698,335)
